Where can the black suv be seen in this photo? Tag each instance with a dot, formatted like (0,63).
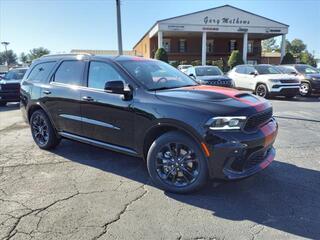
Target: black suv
(309,76)
(184,131)
(10,86)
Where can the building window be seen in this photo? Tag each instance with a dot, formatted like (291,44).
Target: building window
(210,43)
(250,46)
(182,45)
(166,44)
(232,45)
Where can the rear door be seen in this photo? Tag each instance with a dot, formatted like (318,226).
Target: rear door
(106,117)
(61,96)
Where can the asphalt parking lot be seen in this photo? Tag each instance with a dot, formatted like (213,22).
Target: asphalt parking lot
(82,192)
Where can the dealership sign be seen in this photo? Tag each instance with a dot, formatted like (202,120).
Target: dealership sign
(226,20)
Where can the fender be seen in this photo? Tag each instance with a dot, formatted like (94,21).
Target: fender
(164,122)
(38,105)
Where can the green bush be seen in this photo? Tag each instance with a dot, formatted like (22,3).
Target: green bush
(288,59)
(196,62)
(209,62)
(219,63)
(161,54)
(235,59)
(174,64)
(184,62)
(308,58)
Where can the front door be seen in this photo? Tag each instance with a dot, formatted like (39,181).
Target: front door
(106,117)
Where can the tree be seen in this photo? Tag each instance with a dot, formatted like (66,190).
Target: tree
(24,58)
(297,46)
(308,58)
(269,45)
(161,54)
(9,57)
(288,59)
(235,59)
(37,52)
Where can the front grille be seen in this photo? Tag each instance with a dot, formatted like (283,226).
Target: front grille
(218,83)
(290,81)
(10,86)
(258,119)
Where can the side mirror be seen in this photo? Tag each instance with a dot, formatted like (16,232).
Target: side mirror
(294,73)
(118,87)
(253,73)
(192,76)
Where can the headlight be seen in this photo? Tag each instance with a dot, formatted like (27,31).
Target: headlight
(314,78)
(274,80)
(226,123)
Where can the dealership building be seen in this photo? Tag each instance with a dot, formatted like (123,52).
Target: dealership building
(211,35)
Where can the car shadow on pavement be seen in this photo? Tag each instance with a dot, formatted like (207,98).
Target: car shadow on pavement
(10,107)
(313,98)
(284,196)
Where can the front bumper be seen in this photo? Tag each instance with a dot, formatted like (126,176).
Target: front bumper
(285,89)
(240,155)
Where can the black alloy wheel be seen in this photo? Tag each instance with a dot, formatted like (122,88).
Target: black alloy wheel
(42,131)
(176,163)
(262,91)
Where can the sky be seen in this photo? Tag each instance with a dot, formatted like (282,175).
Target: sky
(62,25)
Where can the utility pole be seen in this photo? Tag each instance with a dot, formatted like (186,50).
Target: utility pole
(7,59)
(120,52)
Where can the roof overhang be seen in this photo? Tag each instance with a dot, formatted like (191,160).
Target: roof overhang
(224,19)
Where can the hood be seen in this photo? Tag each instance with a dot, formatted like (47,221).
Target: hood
(313,75)
(277,76)
(218,100)
(3,81)
(208,78)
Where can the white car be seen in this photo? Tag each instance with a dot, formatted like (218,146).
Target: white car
(184,68)
(264,80)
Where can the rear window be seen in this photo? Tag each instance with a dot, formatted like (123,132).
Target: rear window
(41,71)
(15,74)
(70,72)
(208,71)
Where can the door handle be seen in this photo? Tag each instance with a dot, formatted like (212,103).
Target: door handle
(87,98)
(47,92)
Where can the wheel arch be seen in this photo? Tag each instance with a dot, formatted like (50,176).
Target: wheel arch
(38,106)
(163,127)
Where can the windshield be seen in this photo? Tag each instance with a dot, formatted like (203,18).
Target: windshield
(156,75)
(267,70)
(16,74)
(208,71)
(306,69)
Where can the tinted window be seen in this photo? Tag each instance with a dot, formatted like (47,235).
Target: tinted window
(208,71)
(15,74)
(240,69)
(265,69)
(40,72)
(100,73)
(70,72)
(157,74)
(288,70)
(249,69)
(306,69)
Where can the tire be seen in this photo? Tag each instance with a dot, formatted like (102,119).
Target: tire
(173,174)
(262,90)
(42,131)
(305,89)
(3,104)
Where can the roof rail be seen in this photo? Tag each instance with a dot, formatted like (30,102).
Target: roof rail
(65,55)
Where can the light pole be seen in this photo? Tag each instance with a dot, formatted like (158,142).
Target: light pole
(119,28)
(5,46)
